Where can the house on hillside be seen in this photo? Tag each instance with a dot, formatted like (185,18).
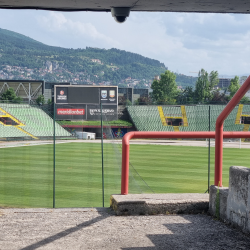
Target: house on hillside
(96,61)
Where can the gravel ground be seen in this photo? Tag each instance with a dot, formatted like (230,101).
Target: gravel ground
(101,229)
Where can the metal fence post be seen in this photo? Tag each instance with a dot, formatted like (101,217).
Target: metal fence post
(102,160)
(209,128)
(54,157)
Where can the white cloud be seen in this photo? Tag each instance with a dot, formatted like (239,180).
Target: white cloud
(60,24)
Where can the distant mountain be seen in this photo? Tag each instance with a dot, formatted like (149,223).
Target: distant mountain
(184,81)
(16,37)
(22,57)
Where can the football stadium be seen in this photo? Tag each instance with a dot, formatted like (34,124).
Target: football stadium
(46,164)
(123,175)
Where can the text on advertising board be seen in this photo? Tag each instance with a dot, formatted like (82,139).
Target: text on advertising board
(70,111)
(99,111)
(61,94)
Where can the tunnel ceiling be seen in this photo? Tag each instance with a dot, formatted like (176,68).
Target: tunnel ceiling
(213,6)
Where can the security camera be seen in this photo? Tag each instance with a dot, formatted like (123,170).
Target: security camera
(120,14)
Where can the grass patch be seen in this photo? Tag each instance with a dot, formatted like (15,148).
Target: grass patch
(26,173)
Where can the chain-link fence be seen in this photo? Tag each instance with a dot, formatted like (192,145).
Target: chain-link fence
(184,168)
(48,161)
(72,157)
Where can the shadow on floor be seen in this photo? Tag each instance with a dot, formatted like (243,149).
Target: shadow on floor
(64,233)
(196,236)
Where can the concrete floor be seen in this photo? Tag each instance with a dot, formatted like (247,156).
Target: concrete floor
(81,228)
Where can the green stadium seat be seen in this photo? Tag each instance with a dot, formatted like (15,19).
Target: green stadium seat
(147,118)
(35,122)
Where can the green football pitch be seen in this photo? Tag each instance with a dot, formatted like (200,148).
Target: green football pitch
(26,172)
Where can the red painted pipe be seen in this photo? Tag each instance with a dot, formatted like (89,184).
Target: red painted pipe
(219,130)
(144,135)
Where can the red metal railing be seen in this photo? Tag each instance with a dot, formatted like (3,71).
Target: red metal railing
(219,130)
(139,135)
(218,135)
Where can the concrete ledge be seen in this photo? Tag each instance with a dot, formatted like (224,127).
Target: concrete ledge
(218,201)
(238,204)
(232,204)
(141,204)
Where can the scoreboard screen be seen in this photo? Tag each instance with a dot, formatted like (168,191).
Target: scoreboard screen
(84,102)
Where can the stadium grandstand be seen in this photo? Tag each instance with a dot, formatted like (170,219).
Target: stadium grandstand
(27,122)
(188,118)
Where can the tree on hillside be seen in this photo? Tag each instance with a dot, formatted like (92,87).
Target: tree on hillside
(233,88)
(143,101)
(40,100)
(165,90)
(219,98)
(10,96)
(186,96)
(213,80)
(205,84)
(201,86)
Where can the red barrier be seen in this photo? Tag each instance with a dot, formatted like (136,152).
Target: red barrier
(144,135)
(219,130)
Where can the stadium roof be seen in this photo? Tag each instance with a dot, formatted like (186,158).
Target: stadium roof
(212,6)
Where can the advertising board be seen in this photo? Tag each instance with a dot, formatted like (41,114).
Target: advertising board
(61,95)
(109,112)
(83,102)
(83,95)
(71,112)
(108,95)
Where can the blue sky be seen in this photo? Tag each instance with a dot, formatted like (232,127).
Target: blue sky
(184,42)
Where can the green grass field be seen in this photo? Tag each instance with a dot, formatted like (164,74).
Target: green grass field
(26,173)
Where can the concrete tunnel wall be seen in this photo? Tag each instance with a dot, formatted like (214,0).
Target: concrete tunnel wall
(232,204)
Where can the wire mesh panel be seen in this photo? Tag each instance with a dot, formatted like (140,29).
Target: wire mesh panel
(111,158)
(75,161)
(70,156)
(87,166)
(178,168)
(26,156)
(170,169)
(78,174)
(112,148)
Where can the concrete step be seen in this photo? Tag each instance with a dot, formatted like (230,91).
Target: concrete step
(150,204)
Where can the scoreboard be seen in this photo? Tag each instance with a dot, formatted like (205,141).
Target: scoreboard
(80,102)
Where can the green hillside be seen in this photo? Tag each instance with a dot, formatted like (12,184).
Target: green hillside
(114,65)
(184,81)
(16,37)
